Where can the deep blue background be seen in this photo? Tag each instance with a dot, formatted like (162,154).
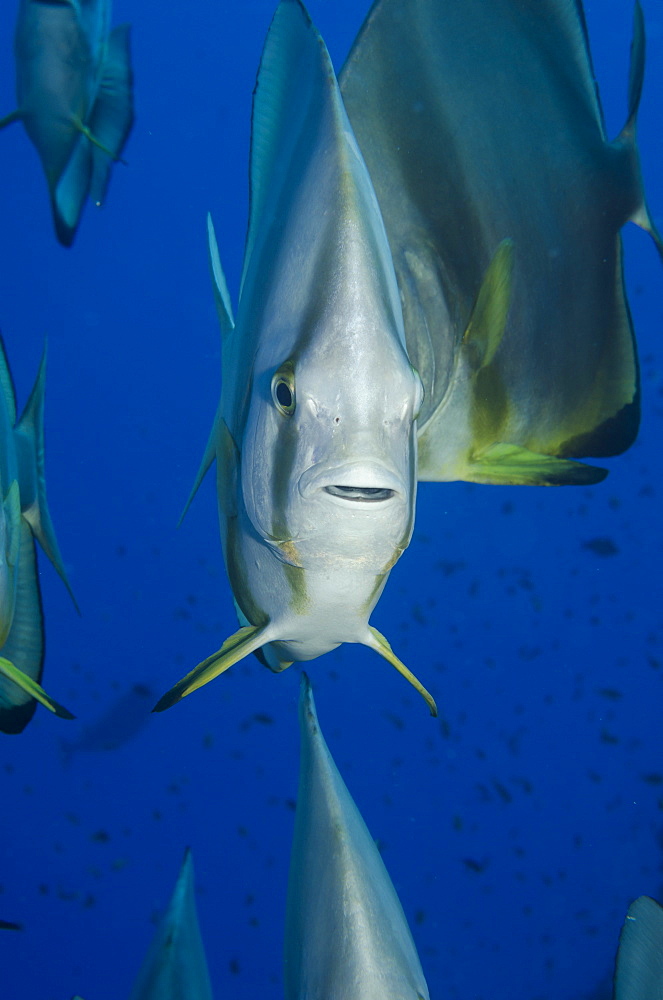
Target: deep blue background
(546,659)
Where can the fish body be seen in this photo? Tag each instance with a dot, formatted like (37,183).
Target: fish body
(24,516)
(467,145)
(315,436)
(175,967)
(73,83)
(639,966)
(346,933)
(490,263)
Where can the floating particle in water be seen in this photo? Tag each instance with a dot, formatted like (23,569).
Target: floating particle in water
(601,546)
(611,694)
(502,791)
(472,865)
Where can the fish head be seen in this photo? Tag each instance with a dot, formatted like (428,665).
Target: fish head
(328,463)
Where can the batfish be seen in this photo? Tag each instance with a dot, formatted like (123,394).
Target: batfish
(175,967)
(23,516)
(639,966)
(74,91)
(480,122)
(315,435)
(346,933)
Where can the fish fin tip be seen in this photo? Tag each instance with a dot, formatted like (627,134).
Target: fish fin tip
(510,465)
(13,116)
(375,640)
(224,307)
(32,688)
(234,649)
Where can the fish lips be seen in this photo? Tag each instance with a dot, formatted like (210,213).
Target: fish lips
(355,484)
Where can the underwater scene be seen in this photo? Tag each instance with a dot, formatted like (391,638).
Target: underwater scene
(517,824)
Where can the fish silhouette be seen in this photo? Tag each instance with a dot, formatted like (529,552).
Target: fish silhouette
(24,516)
(74,91)
(315,436)
(175,967)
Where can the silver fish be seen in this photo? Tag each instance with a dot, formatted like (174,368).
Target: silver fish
(175,967)
(315,436)
(639,966)
(23,514)
(481,122)
(346,933)
(74,91)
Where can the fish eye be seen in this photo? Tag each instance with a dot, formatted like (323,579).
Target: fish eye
(283,389)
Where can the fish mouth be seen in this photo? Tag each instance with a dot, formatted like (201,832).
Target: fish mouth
(360,494)
(354,483)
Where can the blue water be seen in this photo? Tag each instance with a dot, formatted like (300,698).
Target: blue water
(518,828)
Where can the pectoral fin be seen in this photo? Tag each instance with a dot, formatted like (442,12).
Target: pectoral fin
(378,642)
(239,645)
(489,314)
(509,465)
(220,446)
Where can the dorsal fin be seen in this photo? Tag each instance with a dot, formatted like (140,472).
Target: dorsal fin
(277,110)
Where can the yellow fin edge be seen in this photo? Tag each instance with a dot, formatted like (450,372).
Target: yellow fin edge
(235,648)
(33,689)
(381,646)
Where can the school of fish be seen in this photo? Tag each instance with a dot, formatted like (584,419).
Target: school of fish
(432,290)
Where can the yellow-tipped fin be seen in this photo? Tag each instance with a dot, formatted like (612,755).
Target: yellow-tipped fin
(239,645)
(382,647)
(509,465)
(33,689)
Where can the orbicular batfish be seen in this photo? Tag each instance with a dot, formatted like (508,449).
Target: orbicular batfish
(315,436)
(74,92)
(639,966)
(479,122)
(346,933)
(175,967)
(23,514)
